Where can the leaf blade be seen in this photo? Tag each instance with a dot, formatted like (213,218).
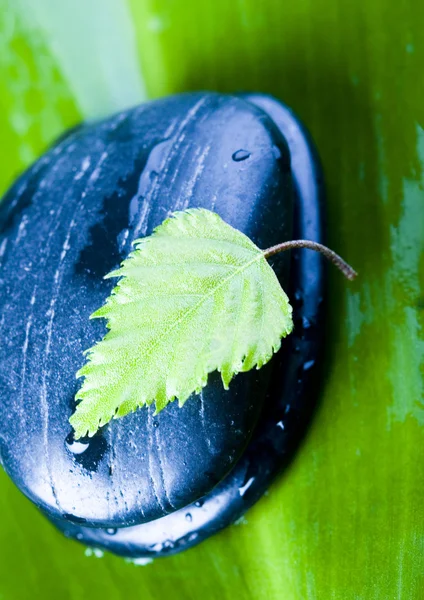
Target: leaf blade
(158,318)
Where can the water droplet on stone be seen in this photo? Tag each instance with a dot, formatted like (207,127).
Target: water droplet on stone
(111,530)
(240,155)
(168,545)
(280,424)
(298,296)
(188,517)
(88,452)
(199,503)
(243,489)
(156,547)
(76,446)
(308,365)
(306,323)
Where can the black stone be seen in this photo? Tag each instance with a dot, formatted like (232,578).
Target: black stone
(69,220)
(292,394)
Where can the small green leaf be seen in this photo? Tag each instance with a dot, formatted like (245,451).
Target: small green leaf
(195,297)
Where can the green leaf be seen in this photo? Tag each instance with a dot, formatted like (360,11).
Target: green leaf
(195,297)
(347,519)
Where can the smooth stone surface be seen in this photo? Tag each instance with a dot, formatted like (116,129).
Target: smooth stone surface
(292,396)
(66,223)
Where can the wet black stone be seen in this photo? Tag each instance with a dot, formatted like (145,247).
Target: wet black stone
(292,394)
(67,222)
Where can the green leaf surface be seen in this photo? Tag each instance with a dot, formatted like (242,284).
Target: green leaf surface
(196,296)
(346,520)
(36,104)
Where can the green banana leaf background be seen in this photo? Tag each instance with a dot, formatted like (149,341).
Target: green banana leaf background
(346,520)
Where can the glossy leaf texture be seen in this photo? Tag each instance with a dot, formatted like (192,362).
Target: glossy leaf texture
(196,296)
(347,519)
